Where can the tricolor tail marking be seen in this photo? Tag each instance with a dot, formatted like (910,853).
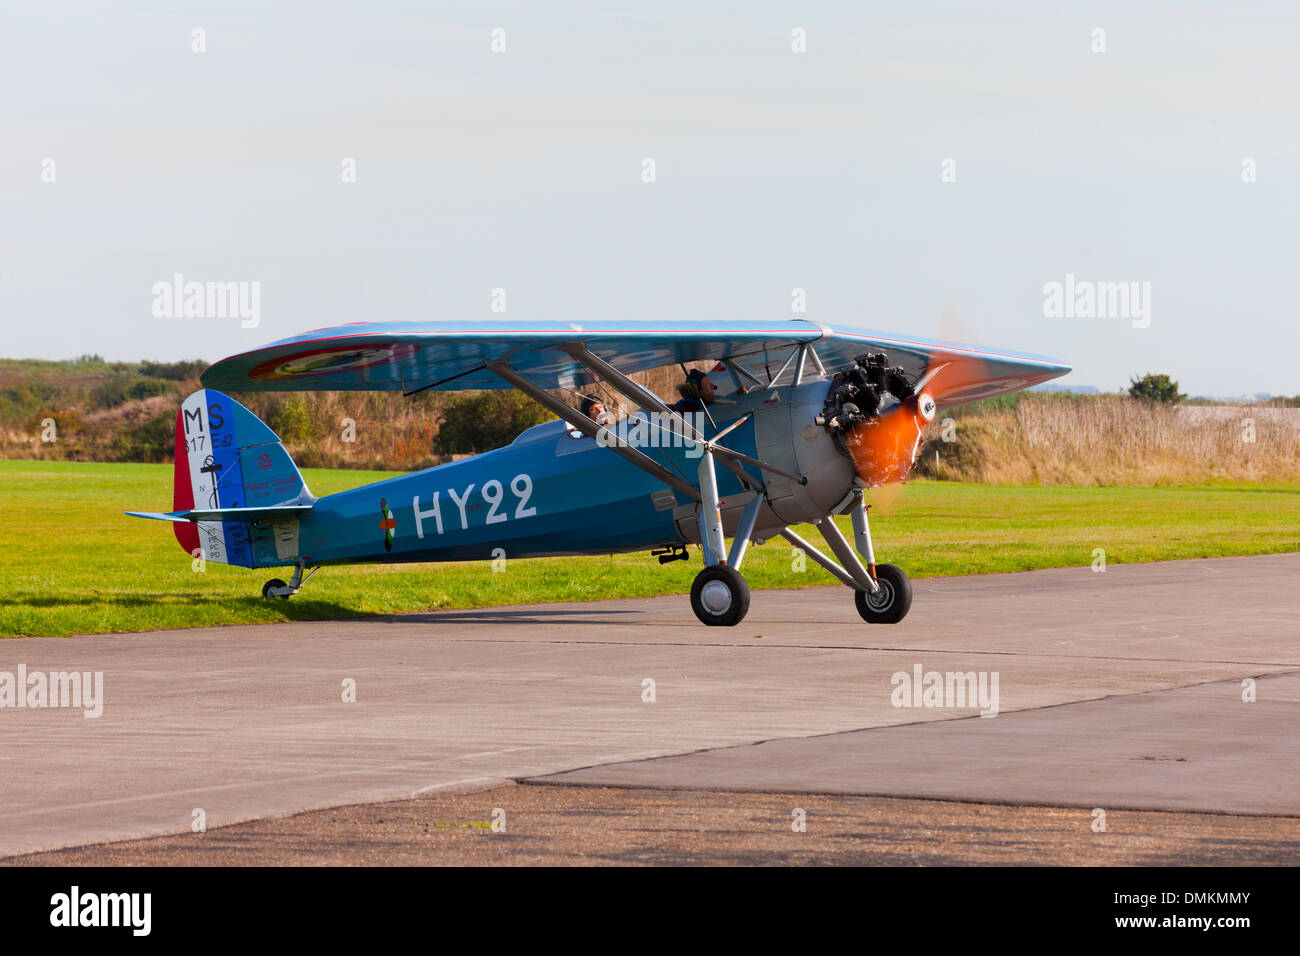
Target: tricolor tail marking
(205,430)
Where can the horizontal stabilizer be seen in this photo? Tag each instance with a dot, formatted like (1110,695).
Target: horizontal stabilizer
(225,514)
(158,515)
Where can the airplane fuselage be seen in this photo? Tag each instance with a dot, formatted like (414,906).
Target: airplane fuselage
(551,493)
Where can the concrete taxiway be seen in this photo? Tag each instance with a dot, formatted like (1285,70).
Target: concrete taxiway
(1118,689)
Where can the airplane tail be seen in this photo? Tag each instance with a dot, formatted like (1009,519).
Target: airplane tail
(231,469)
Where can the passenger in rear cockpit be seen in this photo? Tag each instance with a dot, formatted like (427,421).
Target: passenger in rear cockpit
(696,392)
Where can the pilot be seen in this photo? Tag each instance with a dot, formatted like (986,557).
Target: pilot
(696,392)
(594,409)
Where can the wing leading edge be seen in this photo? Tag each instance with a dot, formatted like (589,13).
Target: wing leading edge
(414,356)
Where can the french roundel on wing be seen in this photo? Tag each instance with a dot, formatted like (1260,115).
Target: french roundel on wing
(646,357)
(329,361)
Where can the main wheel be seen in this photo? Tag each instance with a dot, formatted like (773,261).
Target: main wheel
(273,583)
(720,596)
(893,601)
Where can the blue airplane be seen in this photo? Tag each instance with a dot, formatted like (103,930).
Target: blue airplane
(793,422)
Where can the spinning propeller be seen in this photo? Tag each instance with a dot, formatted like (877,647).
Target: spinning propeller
(883,439)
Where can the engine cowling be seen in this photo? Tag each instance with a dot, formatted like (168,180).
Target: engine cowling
(881,439)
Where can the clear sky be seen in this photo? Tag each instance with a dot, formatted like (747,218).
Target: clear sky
(523,170)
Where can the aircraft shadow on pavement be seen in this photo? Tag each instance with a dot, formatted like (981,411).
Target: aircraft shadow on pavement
(296,609)
(492,615)
(299,609)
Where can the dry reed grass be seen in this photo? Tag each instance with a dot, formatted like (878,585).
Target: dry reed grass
(1115,440)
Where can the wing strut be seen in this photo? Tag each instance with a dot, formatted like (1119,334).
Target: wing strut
(592,430)
(648,399)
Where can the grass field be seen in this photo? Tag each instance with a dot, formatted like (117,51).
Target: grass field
(72,563)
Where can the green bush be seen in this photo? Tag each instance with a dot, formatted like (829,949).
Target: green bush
(1155,388)
(481,421)
(294,423)
(112,391)
(149,387)
(124,386)
(154,441)
(21,402)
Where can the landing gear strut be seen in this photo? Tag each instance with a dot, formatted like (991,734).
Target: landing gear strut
(720,596)
(275,588)
(891,598)
(882,592)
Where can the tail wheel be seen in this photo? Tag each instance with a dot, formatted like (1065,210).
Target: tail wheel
(273,583)
(893,601)
(720,596)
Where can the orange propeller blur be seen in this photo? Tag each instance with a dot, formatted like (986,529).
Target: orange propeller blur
(884,448)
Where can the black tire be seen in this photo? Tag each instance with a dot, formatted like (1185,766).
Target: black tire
(273,583)
(724,606)
(894,602)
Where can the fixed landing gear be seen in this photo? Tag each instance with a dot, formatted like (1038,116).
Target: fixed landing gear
(720,596)
(882,592)
(892,599)
(275,588)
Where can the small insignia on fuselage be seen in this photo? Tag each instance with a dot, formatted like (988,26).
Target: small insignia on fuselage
(387,523)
